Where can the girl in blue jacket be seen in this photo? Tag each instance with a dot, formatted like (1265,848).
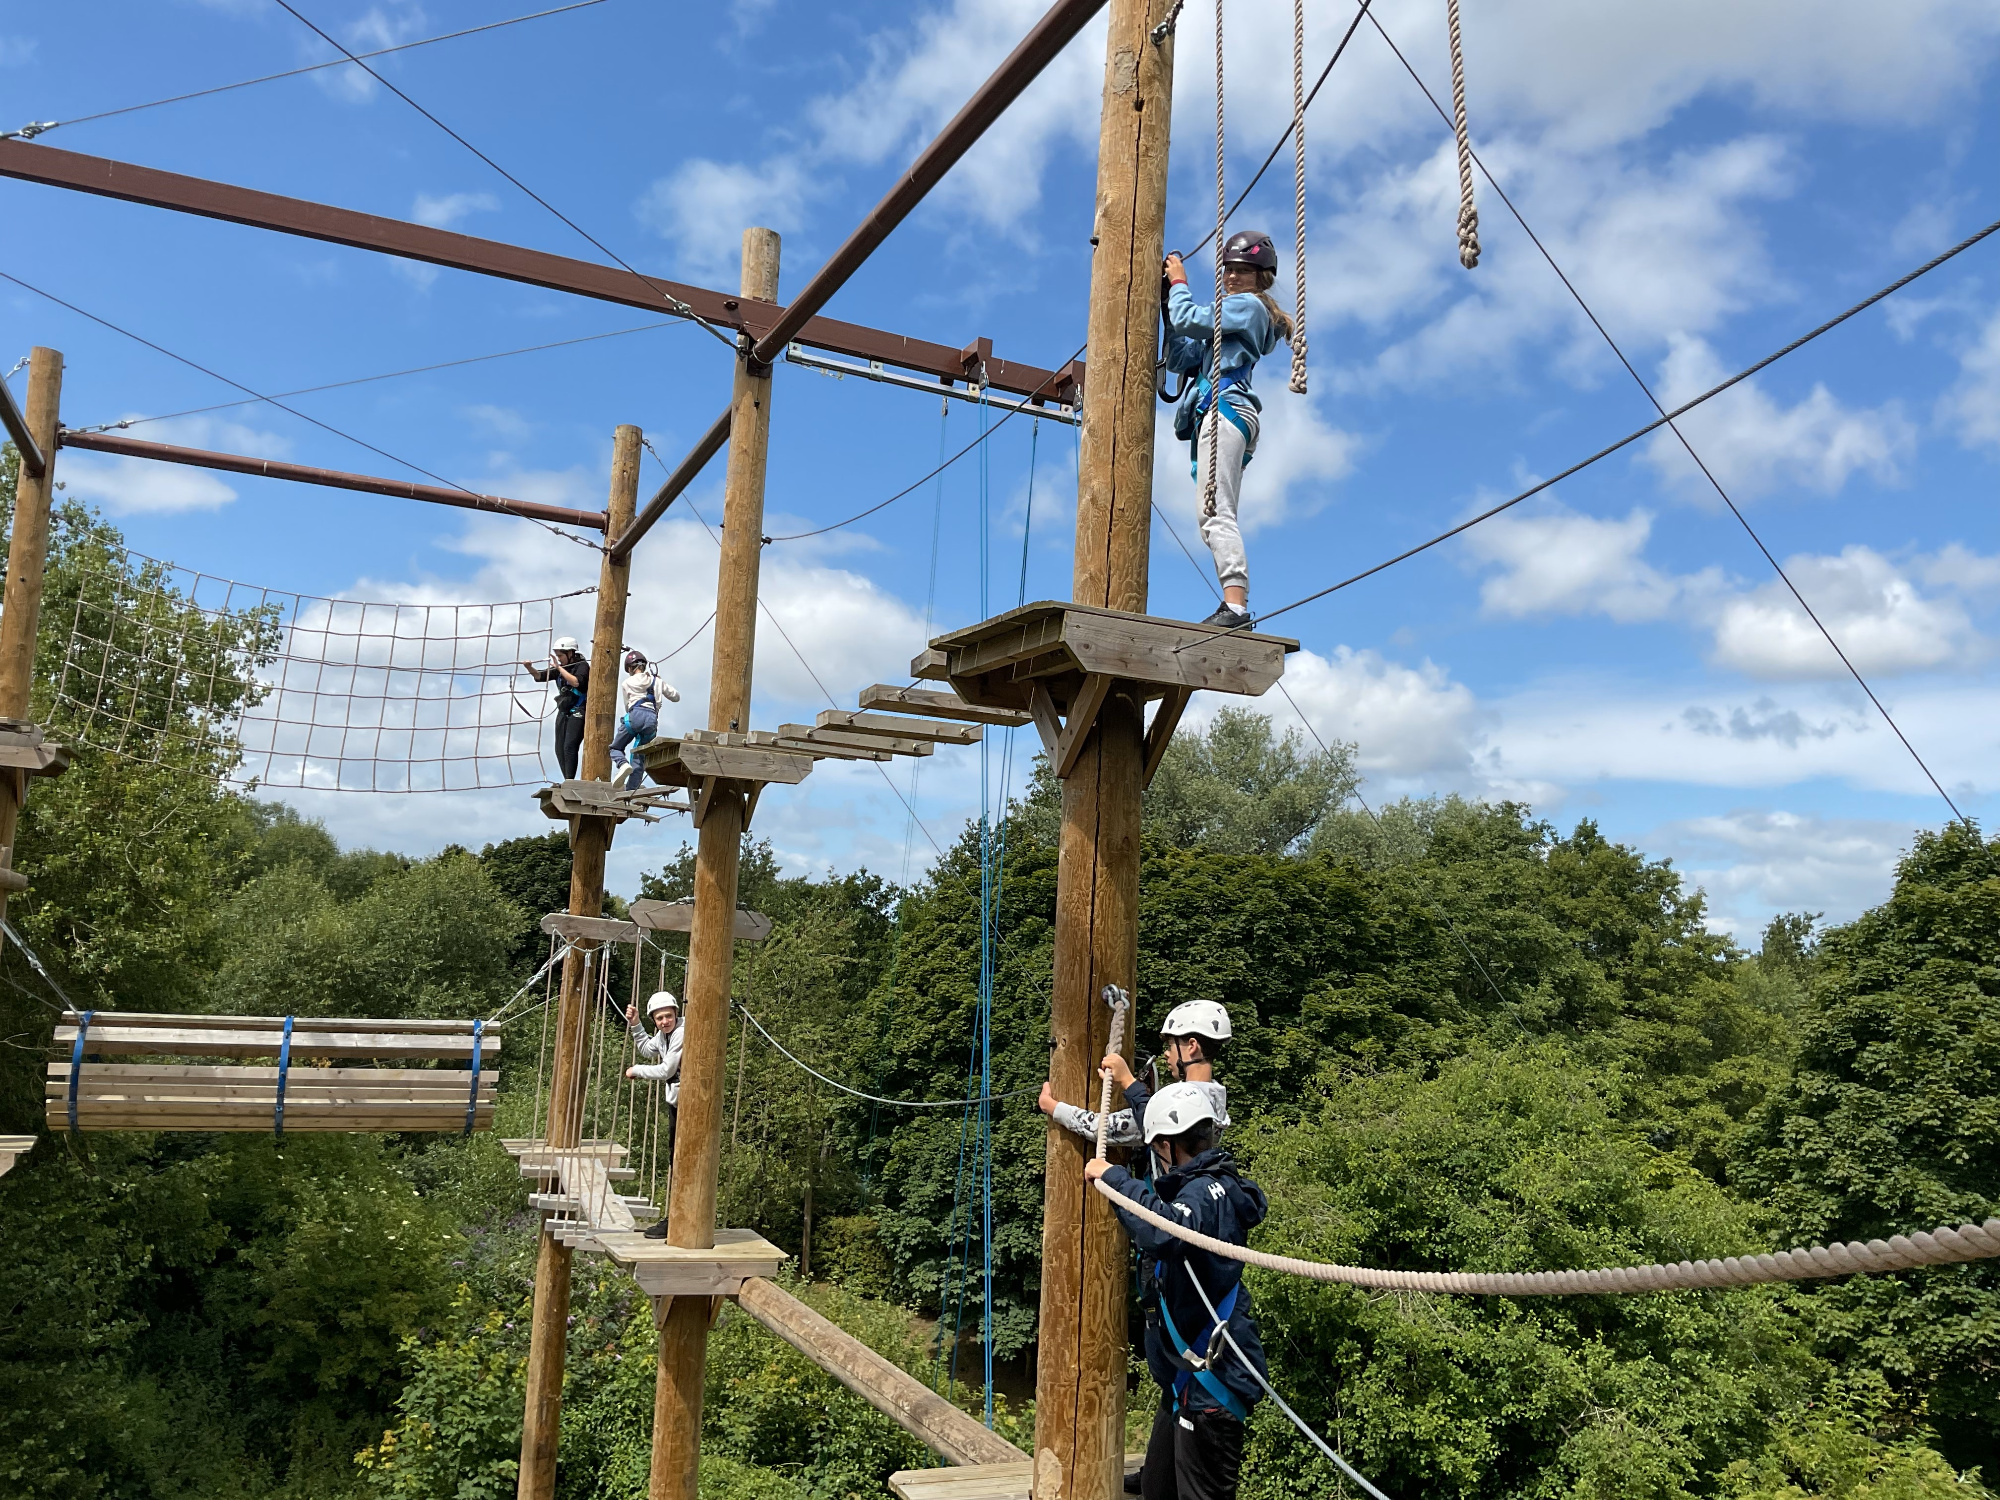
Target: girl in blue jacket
(1252,326)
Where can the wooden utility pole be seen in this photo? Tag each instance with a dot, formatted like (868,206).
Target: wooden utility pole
(712,944)
(1080,1358)
(541,1424)
(27,560)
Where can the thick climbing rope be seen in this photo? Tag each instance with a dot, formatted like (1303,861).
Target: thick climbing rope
(1468,215)
(1943,1246)
(1213,425)
(1119,1005)
(1298,383)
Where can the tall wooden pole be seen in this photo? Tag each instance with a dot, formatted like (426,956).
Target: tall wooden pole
(27,560)
(541,1424)
(1080,1357)
(712,944)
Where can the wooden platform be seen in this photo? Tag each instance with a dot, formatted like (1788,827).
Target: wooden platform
(206,1095)
(1057,663)
(1012,1481)
(13,1147)
(664,1270)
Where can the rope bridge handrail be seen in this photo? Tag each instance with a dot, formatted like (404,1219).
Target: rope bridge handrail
(1943,1246)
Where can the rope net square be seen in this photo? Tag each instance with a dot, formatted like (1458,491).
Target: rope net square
(277,689)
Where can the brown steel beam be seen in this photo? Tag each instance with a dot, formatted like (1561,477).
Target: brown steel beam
(270,468)
(462,252)
(1022,66)
(683,476)
(32,462)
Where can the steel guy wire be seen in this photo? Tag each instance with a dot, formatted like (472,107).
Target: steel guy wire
(43,127)
(831,700)
(876,1098)
(1472,157)
(672,302)
(35,963)
(1653,426)
(292,410)
(338,385)
(1011,413)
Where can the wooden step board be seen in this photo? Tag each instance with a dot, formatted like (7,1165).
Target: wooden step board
(664,1270)
(13,1147)
(132,1034)
(1008,1481)
(159,1096)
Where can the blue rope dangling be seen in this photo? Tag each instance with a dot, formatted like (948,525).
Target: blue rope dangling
(76,1064)
(472,1097)
(284,1067)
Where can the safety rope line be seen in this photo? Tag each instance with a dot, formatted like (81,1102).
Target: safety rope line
(42,127)
(500,1017)
(284,1072)
(1653,426)
(36,964)
(1256,1374)
(76,1063)
(1213,425)
(472,1094)
(1943,1246)
(1298,382)
(835,1083)
(349,437)
(1468,215)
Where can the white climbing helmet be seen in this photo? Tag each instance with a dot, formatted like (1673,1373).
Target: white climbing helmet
(662,1000)
(1176,1109)
(565,643)
(1197,1018)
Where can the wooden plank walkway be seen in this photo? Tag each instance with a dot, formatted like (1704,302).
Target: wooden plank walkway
(1009,1481)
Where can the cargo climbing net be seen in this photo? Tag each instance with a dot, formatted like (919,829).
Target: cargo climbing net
(166,664)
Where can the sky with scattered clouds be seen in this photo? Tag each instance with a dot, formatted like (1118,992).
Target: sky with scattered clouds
(1712,178)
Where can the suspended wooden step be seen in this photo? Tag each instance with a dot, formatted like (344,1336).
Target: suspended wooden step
(664,1270)
(299,1091)
(1008,1481)
(1058,663)
(577,1184)
(13,1147)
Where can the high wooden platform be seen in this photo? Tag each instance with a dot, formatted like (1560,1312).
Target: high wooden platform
(1008,1481)
(13,1147)
(306,1093)
(1058,662)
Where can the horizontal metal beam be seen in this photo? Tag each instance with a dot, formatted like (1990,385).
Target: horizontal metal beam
(271,468)
(795,354)
(1056,29)
(462,252)
(33,464)
(683,476)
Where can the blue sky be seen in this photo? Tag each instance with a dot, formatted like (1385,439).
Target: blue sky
(1715,177)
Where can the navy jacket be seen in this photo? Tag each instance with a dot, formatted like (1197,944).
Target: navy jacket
(1209,1196)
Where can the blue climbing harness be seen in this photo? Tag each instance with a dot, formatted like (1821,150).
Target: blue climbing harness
(1196,416)
(1227,1399)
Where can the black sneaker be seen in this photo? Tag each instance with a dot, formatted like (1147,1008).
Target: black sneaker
(1229,618)
(1132,1481)
(657,1230)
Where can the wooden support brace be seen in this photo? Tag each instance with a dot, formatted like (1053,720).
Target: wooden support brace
(1048,723)
(1082,719)
(1161,733)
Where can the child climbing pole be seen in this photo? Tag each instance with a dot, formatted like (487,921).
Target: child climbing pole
(1191,1042)
(640,692)
(1206,1390)
(1219,415)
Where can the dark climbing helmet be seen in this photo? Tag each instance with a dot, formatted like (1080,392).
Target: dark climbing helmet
(634,660)
(1251,247)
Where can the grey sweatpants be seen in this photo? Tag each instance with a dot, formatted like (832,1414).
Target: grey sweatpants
(1221,531)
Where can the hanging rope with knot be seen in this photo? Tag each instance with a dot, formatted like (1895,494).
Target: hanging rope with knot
(1213,425)
(1468,215)
(1298,384)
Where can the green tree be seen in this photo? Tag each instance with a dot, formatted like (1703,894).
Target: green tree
(1237,788)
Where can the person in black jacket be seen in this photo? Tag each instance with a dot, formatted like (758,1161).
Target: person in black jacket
(570,671)
(1205,1396)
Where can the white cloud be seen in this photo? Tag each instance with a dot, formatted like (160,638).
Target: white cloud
(377,29)
(1883,622)
(1757,862)
(1972,405)
(1563,563)
(501,421)
(134,486)
(1407,721)
(704,206)
(1754,446)
(1955,566)
(1300,458)
(445,210)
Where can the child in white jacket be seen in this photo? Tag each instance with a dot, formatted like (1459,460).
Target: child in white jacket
(639,693)
(1192,1038)
(663,1046)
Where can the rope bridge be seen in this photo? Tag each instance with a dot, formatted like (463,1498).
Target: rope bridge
(1943,1246)
(293,690)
